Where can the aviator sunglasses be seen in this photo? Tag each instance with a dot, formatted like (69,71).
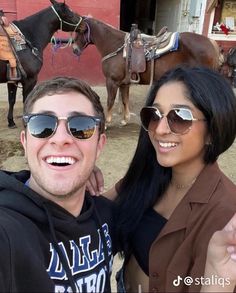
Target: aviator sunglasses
(179,120)
(45,125)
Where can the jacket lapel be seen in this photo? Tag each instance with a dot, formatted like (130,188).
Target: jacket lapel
(181,215)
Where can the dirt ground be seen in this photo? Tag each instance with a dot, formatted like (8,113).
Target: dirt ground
(120,146)
(121,140)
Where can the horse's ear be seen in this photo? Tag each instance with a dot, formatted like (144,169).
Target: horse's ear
(53,2)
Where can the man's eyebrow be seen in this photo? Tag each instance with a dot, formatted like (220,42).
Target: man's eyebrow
(73,113)
(46,112)
(77,113)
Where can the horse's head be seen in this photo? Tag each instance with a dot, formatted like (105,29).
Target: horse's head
(82,38)
(231,57)
(69,21)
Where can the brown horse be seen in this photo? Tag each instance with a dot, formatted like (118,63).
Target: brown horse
(194,49)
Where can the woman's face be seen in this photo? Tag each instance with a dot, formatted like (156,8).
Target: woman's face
(182,150)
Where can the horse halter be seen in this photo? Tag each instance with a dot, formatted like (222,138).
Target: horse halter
(87,40)
(63,21)
(86,36)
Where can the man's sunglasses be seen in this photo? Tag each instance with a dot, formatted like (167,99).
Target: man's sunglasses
(45,125)
(179,120)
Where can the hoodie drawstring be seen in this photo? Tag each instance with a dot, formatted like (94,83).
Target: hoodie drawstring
(106,255)
(60,253)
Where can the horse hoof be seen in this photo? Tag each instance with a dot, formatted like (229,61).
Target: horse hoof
(123,123)
(12,126)
(107,125)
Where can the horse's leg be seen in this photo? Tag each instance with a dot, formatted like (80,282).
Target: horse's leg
(120,104)
(124,92)
(12,88)
(111,95)
(27,87)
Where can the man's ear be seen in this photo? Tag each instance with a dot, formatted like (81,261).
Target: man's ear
(101,143)
(23,139)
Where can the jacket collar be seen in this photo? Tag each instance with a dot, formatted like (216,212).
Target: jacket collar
(205,184)
(200,192)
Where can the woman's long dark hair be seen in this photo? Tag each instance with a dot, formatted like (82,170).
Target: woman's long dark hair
(146,180)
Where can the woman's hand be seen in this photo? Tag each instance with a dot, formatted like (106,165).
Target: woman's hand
(221,259)
(95,183)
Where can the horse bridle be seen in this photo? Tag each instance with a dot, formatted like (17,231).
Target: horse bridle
(86,35)
(88,41)
(63,21)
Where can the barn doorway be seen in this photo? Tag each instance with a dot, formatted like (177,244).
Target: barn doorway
(167,14)
(150,15)
(141,12)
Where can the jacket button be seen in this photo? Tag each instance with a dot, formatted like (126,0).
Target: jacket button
(154,290)
(155,275)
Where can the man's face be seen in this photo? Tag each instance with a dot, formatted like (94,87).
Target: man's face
(60,181)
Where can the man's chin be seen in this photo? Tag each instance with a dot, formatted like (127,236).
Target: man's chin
(64,193)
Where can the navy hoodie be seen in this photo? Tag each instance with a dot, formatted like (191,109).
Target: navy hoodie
(43,248)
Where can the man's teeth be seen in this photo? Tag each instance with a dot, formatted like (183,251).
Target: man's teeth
(167,144)
(60,160)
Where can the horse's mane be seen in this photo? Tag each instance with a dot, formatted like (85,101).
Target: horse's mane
(107,26)
(30,17)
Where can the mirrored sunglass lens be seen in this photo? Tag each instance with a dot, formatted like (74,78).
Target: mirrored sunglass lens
(82,127)
(42,126)
(149,118)
(179,120)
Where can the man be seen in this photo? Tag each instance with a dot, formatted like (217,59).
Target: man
(54,237)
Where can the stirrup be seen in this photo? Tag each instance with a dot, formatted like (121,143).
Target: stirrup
(10,77)
(137,77)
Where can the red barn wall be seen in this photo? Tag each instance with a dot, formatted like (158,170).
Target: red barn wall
(63,62)
(9,7)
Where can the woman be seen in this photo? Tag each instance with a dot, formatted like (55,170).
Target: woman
(174,196)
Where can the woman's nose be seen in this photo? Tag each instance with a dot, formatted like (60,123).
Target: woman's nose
(162,126)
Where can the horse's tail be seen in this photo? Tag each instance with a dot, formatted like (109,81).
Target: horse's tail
(219,56)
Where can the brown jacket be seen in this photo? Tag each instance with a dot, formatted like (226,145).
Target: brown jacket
(180,249)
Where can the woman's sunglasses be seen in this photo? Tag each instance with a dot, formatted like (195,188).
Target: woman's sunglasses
(45,125)
(179,120)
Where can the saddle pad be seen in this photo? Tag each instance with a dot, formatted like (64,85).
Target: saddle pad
(6,53)
(17,38)
(173,45)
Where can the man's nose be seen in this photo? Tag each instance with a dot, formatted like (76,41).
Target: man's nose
(61,135)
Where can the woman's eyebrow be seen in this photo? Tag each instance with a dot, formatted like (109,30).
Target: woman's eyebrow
(173,106)
(181,106)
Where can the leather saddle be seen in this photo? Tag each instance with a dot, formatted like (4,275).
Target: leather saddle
(8,38)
